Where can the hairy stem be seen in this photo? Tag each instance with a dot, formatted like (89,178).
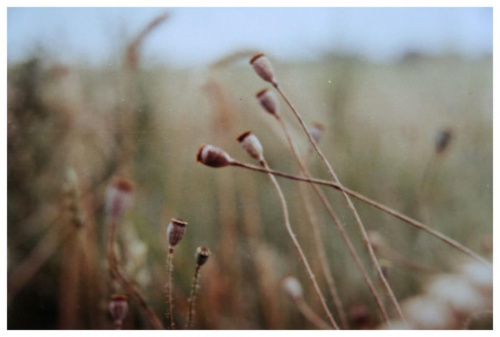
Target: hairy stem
(192,298)
(168,288)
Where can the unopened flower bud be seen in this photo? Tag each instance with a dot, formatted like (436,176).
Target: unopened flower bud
(269,101)
(263,68)
(213,156)
(317,130)
(175,231)
(292,287)
(202,255)
(118,307)
(118,198)
(252,145)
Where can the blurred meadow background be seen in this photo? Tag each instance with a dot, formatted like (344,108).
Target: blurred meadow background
(95,94)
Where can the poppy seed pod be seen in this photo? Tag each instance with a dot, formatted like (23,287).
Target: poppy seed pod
(175,231)
(202,255)
(269,101)
(118,307)
(213,156)
(118,198)
(263,68)
(252,145)
(317,130)
(292,287)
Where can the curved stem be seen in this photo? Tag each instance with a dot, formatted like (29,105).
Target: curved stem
(374,204)
(362,228)
(320,247)
(298,247)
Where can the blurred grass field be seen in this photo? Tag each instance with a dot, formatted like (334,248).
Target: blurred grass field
(381,122)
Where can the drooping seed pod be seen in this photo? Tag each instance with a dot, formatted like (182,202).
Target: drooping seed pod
(252,145)
(263,68)
(213,156)
(118,198)
(317,130)
(292,287)
(269,101)
(175,231)
(118,307)
(202,255)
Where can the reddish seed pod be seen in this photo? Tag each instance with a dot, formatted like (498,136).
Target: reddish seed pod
(175,231)
(118,198)
(263,68)
(252,145)
(269,101)
(202,255)
(118,307)
(213,156)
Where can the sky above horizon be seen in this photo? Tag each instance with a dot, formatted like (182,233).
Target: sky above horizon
(198,36)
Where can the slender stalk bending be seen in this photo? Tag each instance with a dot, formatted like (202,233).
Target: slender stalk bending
(362,229)
(372,203)
(298,247)
(320,246)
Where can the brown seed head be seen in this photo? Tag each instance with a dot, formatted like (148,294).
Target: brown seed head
(252,145)
(118,198)
(202,255)
(213,156)
(263,68)
(118,307)
(292,287)
(175,231)
(269,101)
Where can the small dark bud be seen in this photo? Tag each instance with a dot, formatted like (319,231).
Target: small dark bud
(202,255)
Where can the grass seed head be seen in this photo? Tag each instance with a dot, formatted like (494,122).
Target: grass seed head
(252,145)
(213,156)
(269,101)
(175,231)
(202,255)
(263,68)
